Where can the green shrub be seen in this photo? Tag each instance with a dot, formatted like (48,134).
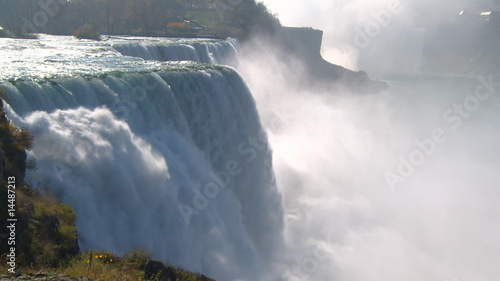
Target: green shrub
(13,136)
(88,32)
(137,258)
(53,236)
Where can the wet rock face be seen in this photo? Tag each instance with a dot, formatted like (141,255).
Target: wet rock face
(156,270)
(305,42)
(2,164)
(2,153)
(2,114)
(305,45)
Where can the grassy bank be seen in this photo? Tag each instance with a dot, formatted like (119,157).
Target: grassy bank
(100,265)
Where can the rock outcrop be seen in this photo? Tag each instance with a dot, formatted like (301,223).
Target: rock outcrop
(2,153)
(2,165)
(305,45)
(156,270)
(12,157)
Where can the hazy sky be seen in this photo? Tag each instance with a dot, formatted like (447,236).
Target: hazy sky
(343,20)
(340,20)
(317,13)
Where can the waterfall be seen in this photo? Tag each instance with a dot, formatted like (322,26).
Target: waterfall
(210,51)
(167,157)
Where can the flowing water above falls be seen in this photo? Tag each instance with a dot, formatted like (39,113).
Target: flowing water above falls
(205,51)
(64,56)
(165,156)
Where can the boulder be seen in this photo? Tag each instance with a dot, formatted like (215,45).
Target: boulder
(156,270)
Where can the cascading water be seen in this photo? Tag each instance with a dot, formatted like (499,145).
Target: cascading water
(173,157)
(204,51)
(165,156)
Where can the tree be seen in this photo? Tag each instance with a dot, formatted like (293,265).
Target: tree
(143,17)
(252,17)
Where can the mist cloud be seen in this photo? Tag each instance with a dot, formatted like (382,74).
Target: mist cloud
(331,153)
(343,20)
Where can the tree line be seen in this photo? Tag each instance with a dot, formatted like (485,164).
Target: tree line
(237,18)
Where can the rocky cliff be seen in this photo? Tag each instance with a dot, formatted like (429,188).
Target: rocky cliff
(12,151)
(305,44)
(2,161)
(2,154)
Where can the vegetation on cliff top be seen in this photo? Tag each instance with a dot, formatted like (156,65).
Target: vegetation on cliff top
(198,18)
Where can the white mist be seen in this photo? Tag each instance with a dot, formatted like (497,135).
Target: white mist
(331,153)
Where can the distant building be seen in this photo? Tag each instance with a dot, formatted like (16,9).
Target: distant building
(483,17)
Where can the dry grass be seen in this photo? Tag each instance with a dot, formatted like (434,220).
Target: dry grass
(101,265)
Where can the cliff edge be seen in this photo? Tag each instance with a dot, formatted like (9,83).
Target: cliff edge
(305,45)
